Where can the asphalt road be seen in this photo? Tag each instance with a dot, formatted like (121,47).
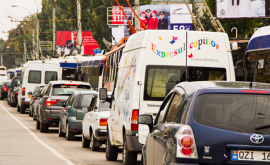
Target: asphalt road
(21,143)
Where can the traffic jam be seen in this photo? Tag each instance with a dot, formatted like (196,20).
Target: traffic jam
(156,97)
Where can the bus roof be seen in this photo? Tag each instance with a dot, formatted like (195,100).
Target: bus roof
(260,39)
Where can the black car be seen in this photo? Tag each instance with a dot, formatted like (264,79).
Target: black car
(210,123)
(4,89)
(12,95)
(35,100)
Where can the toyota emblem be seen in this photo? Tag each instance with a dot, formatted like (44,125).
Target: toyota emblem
(256,138)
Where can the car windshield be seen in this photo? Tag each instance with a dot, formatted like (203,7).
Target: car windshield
(62,89)
(235,112)
(159,80)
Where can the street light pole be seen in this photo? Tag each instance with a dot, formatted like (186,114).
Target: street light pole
(54,25)
(137,11)
(79,34)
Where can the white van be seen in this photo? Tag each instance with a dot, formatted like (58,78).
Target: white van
(3,74)
(153,62)
(35,73)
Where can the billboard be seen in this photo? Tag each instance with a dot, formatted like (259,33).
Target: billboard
(159,17)
(65,39)
(242,8)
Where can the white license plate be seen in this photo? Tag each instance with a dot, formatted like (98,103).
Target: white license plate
(246,155)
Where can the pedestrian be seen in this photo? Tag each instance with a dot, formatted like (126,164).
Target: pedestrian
(148,13)
(163,22)
(143,20)
(153,21)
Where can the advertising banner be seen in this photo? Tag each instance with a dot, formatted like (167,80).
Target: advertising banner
(242,8)
(160,17)
(65,40)
(117,15)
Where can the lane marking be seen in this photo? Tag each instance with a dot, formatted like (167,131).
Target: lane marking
(68,162)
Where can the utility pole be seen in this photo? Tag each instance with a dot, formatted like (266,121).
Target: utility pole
(33,55)
(24,47)
(54,25)
(79,32)
(37,50)
(137,11)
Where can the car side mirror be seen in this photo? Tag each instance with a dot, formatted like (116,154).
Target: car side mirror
(64,104)
(30,93)
(85,109)
(146,119)
(103,93)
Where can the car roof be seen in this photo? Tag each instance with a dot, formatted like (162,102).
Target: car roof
(191,87)
(69,82)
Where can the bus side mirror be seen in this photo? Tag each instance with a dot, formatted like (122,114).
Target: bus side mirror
(239,71)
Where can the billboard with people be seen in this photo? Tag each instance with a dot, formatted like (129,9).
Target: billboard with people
(242,8)
(158,17)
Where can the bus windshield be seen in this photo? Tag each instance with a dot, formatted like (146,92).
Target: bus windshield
(159,80)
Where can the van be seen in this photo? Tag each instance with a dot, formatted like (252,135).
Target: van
(153,62)
(35,73)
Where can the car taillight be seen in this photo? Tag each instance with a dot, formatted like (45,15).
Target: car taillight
(16,93)
(103,122)
(186,147)
(134,120)
(51,102)
(5,88)
(23,91)
(63,109)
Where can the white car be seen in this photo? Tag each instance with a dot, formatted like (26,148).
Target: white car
(95,124)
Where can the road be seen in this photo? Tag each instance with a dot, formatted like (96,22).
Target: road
(21,143)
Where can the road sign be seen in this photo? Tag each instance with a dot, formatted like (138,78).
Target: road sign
(116,17)
(45,45)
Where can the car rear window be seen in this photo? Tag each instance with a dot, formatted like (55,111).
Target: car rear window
(7,84)
(234,112)
(85,101)
(62,89)
(34,77)
(50,76)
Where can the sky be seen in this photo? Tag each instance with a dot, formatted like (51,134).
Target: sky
(18,13)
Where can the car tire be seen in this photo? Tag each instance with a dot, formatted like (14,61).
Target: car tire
(92,142)
(22,110)
(18,108)
(69,134)
(111,151)
(85,142)
(129,158)
(37,124)
(1,96)
(43,127)
(60,132)
(30,113)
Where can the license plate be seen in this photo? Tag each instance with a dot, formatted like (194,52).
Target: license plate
(246,155)
(30,96)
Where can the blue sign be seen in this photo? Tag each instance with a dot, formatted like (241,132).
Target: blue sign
(182,26)
(97,51)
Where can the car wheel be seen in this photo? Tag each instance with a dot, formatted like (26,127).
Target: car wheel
(85,142)
(37,124)
(60,133)
(18,108)
(111,151)
(129,158)
(69,134)
(93,142)
(1,96)
(30,113)
(43,127)
(22,110)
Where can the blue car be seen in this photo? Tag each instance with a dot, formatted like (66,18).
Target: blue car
(203,123)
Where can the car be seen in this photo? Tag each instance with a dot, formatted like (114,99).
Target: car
(95,123)
(52,100)
(4,89)
(14,83)
(210,123)
(35,99)
(72,114)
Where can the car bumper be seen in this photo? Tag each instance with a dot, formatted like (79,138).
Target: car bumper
(101,134)
(76,126)
(25,103)
(133,142)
